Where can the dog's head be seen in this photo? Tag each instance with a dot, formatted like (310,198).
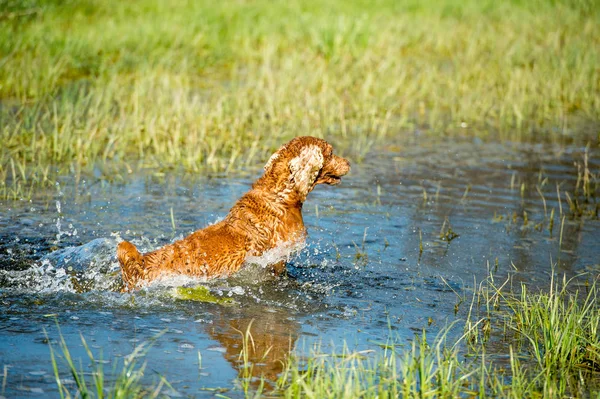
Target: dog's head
(303,163)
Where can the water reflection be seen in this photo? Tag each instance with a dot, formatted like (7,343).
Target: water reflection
(273,334)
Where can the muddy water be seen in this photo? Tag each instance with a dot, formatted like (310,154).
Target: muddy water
(390,251)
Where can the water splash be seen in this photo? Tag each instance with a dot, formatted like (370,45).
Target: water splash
(282,252)
(72,269)
(60,232)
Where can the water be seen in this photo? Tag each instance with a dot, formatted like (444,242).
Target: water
(361,278)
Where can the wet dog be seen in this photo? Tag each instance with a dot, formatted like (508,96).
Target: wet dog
(267,216)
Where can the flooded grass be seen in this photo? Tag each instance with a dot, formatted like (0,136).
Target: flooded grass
(124,382)
(199,86)
(551,340)
(201,294)
(527,345)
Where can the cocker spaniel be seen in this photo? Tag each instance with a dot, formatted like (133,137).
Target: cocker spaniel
(267,216)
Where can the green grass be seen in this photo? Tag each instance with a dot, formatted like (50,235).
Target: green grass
(126,377)
(204,85)
(420,370)
(559,329)
(551,335)
(515,345)
(543,344)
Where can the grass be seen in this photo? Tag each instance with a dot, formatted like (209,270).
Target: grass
(127,377)
(543,344)
(202,86)
(420,369)
(550,339)
(581,202)
(200,294)
(205,86)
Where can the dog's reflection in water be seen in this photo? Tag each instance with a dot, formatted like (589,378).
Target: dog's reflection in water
(272,336)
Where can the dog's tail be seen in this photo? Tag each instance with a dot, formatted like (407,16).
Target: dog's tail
(132,264)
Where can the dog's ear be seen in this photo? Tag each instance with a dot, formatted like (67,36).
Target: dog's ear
(305,168)
(271,160)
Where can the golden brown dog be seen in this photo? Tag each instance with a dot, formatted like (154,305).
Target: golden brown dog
(267,216)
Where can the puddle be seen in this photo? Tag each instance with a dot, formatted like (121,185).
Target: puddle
(389,251)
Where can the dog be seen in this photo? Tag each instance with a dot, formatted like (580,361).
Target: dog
(267,216)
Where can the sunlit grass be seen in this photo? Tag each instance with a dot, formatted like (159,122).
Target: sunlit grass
(218,86)
(558,328)
(550,340)
(423,369)
(124,382)
(514,345)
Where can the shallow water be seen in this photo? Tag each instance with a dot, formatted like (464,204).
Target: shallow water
(361,277)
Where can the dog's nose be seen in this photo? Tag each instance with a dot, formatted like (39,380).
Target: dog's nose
(344,165)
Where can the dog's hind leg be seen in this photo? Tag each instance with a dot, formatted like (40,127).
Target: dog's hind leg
(132,264)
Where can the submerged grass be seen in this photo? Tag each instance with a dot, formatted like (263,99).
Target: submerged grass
(219,86)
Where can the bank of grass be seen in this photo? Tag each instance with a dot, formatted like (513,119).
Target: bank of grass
(93,382)
(543,344)
(204,85)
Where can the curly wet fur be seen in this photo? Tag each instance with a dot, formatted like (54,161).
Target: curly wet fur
(268,215)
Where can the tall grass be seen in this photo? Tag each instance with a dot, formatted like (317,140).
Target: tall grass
(559,329)
(543,344)
(424,369)
(200,84)
(127,378)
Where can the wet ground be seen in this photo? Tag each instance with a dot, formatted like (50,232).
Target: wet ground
(391,251)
